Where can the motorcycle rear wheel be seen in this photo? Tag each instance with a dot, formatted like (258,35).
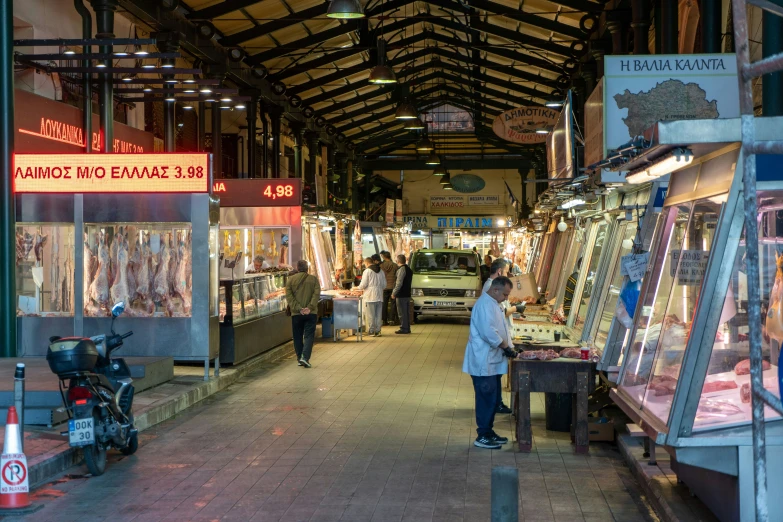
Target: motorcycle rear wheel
(95,454)
(95,458)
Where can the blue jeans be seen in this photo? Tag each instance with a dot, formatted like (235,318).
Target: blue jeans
(486,390)
(303,327)
(374,317)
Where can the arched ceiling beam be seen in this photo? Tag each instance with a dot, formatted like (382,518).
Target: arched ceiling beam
(226,7)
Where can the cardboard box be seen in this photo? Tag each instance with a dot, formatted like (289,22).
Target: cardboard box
(600,431)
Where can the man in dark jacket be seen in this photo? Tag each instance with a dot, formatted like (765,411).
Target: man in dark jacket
(401,294)
(303,292)
(389,270)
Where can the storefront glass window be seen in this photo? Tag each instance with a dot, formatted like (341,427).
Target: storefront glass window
(444,263)
(147,265)
(44,269)
(613,292)
(725,398)
(587,289)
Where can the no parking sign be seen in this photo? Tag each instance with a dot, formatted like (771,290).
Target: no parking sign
(13,474)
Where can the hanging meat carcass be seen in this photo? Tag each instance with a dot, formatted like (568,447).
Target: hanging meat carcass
(160,285)
(119,290)
(182,275)
(144,277)
(134,264)
(99,288)
(174,261)
(774,323)
(40,242)
(54,274)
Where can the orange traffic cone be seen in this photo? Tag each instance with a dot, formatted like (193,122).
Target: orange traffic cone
(14,485)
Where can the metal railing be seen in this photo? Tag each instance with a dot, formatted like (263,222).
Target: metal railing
(747,71)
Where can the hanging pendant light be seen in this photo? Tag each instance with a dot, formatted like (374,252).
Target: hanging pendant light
(425,145)
(382,73)
(345,9)
(439,171)
(406,111)
(433,159)
(414,124)
(448,186)
(445,180)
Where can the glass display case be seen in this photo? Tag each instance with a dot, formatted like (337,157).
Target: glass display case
(147,265)
(589,270)
(253,249)
(45,269)
(252,297)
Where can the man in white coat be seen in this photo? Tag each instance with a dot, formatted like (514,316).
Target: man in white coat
(488,346)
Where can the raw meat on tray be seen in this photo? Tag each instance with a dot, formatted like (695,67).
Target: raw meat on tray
(743,367)
(716,386)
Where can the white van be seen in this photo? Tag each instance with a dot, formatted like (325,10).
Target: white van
(445,283)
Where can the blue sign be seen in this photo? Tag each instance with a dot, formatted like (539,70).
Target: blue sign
(660,197)
(466,222)
(769,167)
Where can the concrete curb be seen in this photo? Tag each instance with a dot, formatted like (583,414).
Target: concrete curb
(651,488)
(53,463)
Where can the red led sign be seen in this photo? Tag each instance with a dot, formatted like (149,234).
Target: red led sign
(111,173)
(258,192)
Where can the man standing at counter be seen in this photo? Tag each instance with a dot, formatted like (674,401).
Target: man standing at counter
(302,292)
(488,346)
(401,294)
(498,269)
(389,270)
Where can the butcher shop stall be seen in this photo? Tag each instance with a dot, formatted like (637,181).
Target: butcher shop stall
(260,238)
(685,376)
(92,230)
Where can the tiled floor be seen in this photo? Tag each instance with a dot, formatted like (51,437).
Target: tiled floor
(377,430)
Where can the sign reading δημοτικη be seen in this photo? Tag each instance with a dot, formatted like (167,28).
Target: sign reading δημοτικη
(111,173)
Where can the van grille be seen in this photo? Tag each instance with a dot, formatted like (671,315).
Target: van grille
(436,292)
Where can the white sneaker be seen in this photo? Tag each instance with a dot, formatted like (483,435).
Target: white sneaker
(304,363)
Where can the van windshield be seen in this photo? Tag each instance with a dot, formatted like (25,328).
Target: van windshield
(444,262)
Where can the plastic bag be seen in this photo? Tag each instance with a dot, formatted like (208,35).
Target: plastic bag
(626,305)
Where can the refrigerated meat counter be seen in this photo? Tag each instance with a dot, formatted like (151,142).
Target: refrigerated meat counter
(684,379)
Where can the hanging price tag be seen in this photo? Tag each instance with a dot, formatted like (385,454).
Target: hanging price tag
(634,265)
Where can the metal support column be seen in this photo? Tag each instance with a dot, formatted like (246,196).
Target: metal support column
(202,124)
(524,209)
(298,130)
(217,141)
(104,18)
(747,71)
(709,18)
(669,26)
(277,116)
(772,44)
(641,26)
(7,203)
(86,80)
(252,115)
(367,188)
(264,140)
(312,151)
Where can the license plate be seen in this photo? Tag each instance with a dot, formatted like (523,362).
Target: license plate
(81,432)
(444,303)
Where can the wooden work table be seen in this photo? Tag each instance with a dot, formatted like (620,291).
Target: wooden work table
(556,376)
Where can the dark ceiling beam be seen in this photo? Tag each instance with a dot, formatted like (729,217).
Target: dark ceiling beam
(303,67)
(494,66)
(263,29)
(371,142)
(370,132)
(369,119)
(487,162)
(524,39)
(496,81)
(308,41)
(349,71)
(503,52)
(363,111)
(583,5)
(530,19)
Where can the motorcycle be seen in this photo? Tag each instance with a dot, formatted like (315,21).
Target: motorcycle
(99,393)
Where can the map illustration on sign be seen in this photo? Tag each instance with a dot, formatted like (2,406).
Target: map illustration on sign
(667,101)
(639,91)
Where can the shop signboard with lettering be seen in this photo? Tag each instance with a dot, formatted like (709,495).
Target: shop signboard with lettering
(389,211)
(689,266)
(520,125)
(446,202)
(417,222)
(258,192)
(641,90)
(48,126)
(483,200)
(466,222)
(111,173)
(398,211)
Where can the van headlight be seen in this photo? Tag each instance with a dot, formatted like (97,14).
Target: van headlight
(417,292)
(470,293)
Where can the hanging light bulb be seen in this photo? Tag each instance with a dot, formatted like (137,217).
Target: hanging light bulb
(433,159)
(414,124)
(448,186)
(345,9)
(445,180)
(439,171)
(375,189)
(562,226)
(406,111)
(382,73)
(425,144)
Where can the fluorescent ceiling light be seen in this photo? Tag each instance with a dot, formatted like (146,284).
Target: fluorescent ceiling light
(677,159)
(573,203)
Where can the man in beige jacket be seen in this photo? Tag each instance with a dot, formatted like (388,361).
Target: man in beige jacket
(302,292)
